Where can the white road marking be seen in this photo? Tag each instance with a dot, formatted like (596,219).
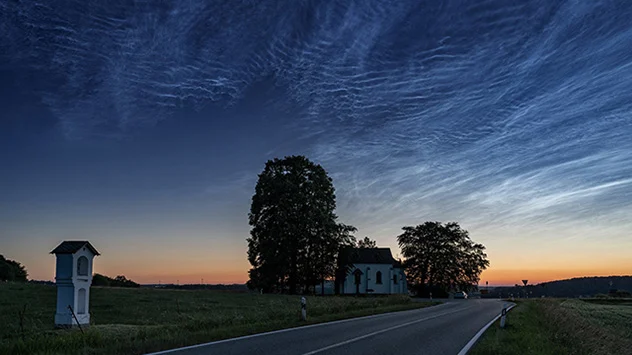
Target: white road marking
(289,330)
(382,331)
(473,341)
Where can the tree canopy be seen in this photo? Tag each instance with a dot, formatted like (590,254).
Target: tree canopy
(367,242)
(295,237)
(441,257)
(11,270)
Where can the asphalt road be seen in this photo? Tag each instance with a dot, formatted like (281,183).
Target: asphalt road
(443,329)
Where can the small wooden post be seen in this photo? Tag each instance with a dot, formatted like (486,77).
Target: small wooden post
(75,317)
(21,314)
(304,308)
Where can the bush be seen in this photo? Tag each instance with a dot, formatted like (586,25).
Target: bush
(621,294)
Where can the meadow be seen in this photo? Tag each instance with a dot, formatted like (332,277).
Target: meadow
(559,326)
(136,321)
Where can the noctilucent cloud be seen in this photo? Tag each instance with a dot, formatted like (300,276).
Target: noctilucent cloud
(141,126)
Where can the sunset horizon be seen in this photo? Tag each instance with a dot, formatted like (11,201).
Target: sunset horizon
(192,271)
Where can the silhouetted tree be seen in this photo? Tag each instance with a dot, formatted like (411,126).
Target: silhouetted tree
(295,237)
(366,242)
(440,256)
(11,270)
(118,281)
(100,280)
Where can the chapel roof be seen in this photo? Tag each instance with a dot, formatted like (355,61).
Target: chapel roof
(368,256)
(72,246)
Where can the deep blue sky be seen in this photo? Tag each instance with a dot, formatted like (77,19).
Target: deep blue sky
(142,126)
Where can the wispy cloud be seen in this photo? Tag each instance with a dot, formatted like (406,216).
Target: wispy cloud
(487,113)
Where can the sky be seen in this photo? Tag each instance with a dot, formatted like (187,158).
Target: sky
(141,126)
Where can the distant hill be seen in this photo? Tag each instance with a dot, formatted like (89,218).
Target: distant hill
(576,287)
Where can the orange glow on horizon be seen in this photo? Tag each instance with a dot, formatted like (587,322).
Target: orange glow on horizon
(236,272)
(494,277)
(226,265)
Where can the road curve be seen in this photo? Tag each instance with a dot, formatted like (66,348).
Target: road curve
(443,329)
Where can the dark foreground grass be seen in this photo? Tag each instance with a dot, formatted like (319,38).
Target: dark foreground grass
(555,326)
(135,321)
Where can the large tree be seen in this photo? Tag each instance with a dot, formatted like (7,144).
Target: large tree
(441,257)
(295,237)
(11,270)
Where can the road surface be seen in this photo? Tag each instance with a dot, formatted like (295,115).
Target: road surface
(443,329)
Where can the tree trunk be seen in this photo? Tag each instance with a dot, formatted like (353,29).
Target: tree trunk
(423,284)
(322,287)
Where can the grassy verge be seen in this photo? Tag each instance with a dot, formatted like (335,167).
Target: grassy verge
(554,326)
(135,321)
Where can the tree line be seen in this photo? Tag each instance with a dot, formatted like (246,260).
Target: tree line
(118,281)
(295,237)
(11,270)
(592,286)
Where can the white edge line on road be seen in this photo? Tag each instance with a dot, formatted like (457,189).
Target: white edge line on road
(289,330)
(382,331)
(473,341)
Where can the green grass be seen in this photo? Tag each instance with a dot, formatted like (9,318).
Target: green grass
(610,301)
(555,326)
(135,321)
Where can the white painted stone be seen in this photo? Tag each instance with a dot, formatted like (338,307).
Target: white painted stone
(503,317)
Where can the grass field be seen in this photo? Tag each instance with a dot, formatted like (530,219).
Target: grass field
(135,321)
(555,326)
